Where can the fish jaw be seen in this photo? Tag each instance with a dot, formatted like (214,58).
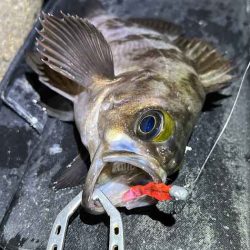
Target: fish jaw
(143,164)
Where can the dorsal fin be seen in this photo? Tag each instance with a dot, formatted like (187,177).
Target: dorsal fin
(170,30)
(213,69)
(74,48)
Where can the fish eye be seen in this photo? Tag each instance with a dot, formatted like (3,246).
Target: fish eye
(149,124)
(155,125)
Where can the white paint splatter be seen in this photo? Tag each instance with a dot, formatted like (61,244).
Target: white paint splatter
(55,149)
(188,149)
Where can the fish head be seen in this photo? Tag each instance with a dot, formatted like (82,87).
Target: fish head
(137,142)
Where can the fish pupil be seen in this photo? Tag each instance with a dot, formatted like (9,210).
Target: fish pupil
(147,124)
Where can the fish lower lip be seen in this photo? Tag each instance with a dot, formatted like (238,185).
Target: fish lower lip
(150,166)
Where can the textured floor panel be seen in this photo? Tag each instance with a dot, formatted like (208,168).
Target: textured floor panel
(216,215)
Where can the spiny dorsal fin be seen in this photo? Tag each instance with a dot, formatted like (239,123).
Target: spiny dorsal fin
(214,70)
(75,48)
(172,31)
(52,79)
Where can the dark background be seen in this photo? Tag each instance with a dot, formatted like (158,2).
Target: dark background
(216,216)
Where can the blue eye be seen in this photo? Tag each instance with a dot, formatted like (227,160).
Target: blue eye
(147,124)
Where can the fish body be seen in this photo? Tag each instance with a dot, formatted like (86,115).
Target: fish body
(137,86)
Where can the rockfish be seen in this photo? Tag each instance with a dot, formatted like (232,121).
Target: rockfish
(137,88)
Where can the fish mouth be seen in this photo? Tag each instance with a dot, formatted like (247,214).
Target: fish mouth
(114,173)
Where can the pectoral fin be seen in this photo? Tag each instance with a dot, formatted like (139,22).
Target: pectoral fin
(73,175)
(214,70)
(62,115)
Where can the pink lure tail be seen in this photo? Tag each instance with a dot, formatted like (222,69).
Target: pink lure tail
(158,191)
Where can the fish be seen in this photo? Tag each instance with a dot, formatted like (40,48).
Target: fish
(137,88)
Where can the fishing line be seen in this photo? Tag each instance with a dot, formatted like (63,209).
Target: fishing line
(191,185)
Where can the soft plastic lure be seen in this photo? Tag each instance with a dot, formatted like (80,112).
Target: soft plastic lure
(159,191)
